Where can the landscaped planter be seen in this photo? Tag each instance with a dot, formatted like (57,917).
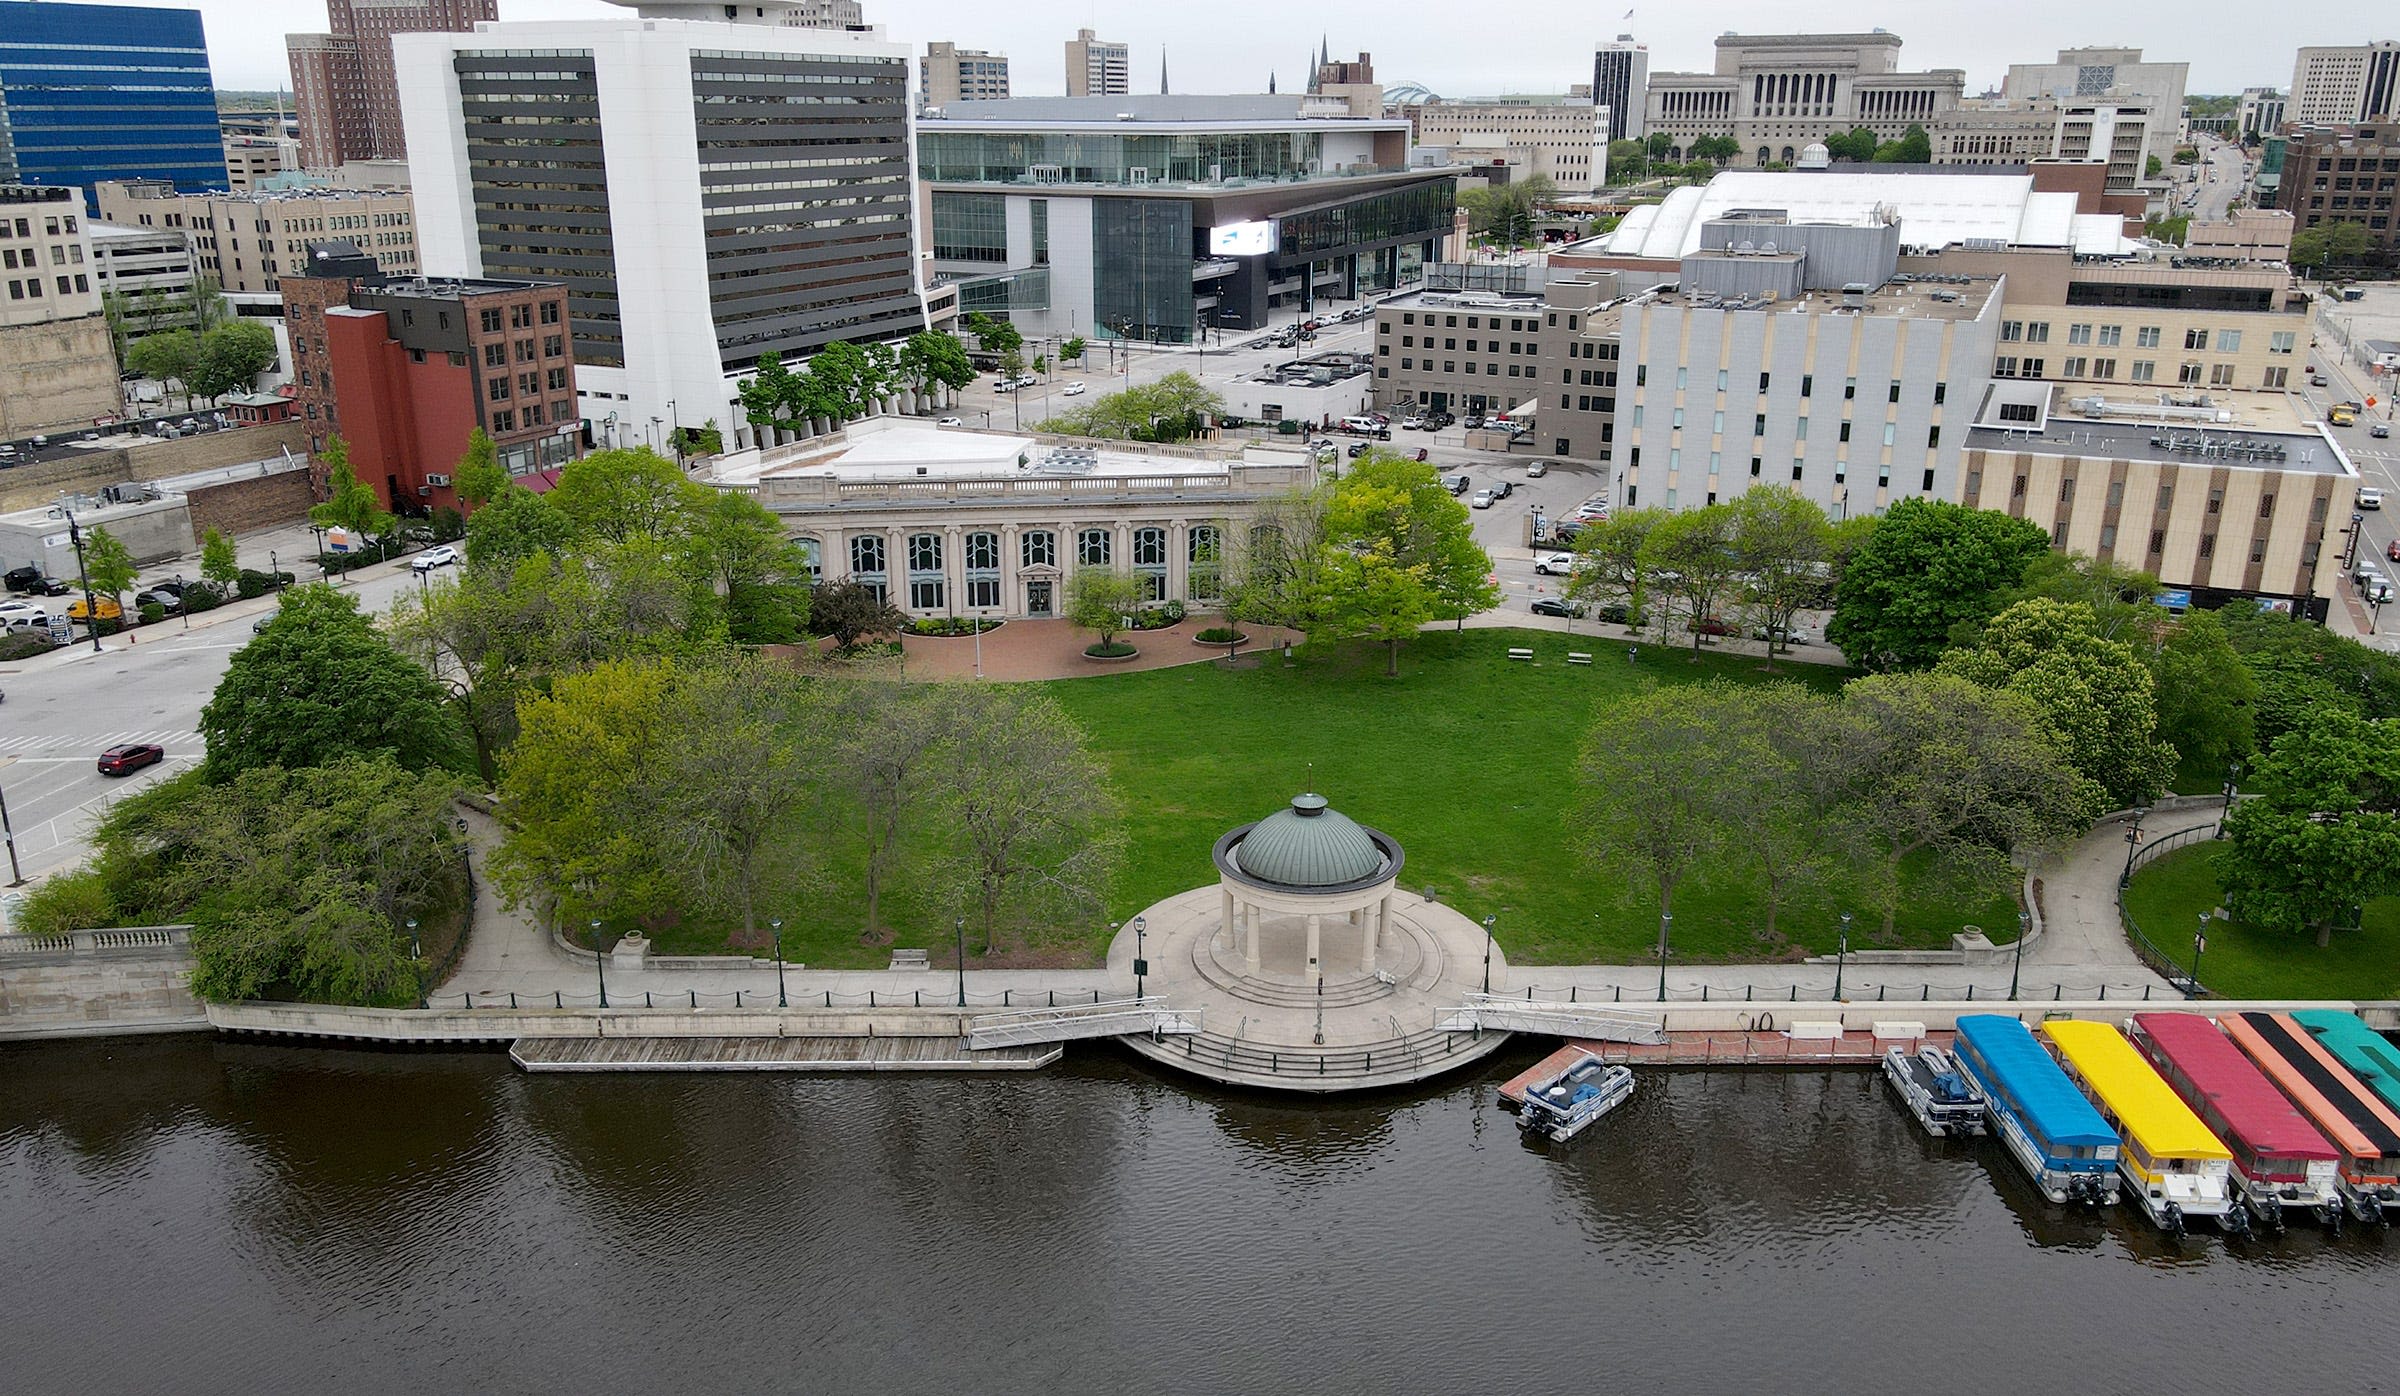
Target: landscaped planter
(1113,654)
(967,633)
(1217,638)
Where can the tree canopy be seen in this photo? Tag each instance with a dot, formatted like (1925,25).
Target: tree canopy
(2320,836)
(1170,409)
(1927,567)
(2336,244)
(350,503)
(2094,695)
(1399,550)
(320,683)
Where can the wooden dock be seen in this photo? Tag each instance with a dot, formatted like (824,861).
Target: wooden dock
(774,1054)
(1721,1049)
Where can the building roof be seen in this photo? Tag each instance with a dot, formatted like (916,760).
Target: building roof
(2252,1109)
(2026,1075)
(2146,1108)
(1309,845)
(1203,111)
(2240,431)
(1934,210)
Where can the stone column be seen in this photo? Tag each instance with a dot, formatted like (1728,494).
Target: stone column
(1316,966)
(1010,600)
(1370,918)
(1225,922)
(1250,917)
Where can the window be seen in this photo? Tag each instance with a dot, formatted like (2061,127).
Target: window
(2005,366)
(1888,430)
(2220,375)
(2195,339)
(1682,376)
(2038,332)
(1720,380)
(2187,372)
(1940,391)
(1091,548)
(496,390)
(2104,368)
(1204,563)
(2158,540)
(2276,377)
(2266,506)
(1849,390)
(2079,334)
(549,312)
(924,552)
(2073,367)
(1758,425)
(2112,334)
(1808,384)
(1800,428)
(1893,394)
(504,421)
(2229,341)
(2011,331)
(2146,337)
(2144,371)
(1845,432)
(1150,561)
(983,570)
(1037,549)
(2066,490)
(1717,425)
(491,319)
(2280,342)
(495,355)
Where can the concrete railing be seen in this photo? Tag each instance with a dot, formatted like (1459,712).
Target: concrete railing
(120,940)
(499,1024)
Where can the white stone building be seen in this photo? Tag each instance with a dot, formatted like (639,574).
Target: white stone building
(1562,139)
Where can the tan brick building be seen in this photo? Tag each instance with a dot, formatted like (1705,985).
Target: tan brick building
(57,366)
(248,241)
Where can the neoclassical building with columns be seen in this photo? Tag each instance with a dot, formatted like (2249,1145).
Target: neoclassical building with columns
(947,521)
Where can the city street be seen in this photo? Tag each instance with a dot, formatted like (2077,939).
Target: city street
(2207,189)
(64,708)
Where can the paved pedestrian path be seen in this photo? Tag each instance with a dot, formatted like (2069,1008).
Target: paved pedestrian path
(1053,649)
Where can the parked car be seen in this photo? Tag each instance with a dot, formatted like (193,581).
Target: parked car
(2380,429)
(12,610)
(1558,606)
(1421,453)
(1457,484)
(132,756)
(949,422)
(166,601)
(172,586)
(1712,625)
(1794,635)
(1502,489)
(1441,419)
(426,561)
(1412,423)
(1554,565)
(1072,390)
(1358,448)
(1618,613)
(107,607)
(22,579)
(1484,499)
(259,626)
(1537,470)
(2370,499)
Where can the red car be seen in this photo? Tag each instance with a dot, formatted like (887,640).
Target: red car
(2392,550)
(125,760)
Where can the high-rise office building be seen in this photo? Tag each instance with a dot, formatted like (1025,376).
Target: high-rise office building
(708,189)
(1097,67)
(1620,78)
(94,92)
(948,73)
(2338,85)
(2116,79)
(349,101)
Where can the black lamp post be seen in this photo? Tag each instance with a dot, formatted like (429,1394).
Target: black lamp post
(781,999)
(1666,922)
(1487,953)
(416,948)
(274,570)
(2133,839)
(2016,970)
(962,961)
(2233,777)
(600,962)
(2199,948)
(184,610)
(1141,963)
(1841,960)
(91,603)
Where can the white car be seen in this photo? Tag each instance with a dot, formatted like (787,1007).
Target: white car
(426,561)
(11,612)
(2370,499)
(1537,470)
(1071,390)
(949,422)
(1483,500)
(1412,423)
(1553,564)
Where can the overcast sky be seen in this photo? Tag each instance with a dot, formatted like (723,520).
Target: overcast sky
(1478,48)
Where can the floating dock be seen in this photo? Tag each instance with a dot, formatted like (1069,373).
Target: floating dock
(1805,1045)
(774,1054)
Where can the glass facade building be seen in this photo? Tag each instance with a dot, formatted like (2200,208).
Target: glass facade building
(1086,157)
(96,92)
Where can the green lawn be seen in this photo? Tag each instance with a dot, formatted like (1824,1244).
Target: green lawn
(2169,896)
(1468,759)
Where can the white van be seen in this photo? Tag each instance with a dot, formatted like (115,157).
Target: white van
(2373,586)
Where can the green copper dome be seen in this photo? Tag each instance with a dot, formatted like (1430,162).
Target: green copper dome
(1309,845)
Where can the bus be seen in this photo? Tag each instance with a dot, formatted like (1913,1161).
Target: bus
(2279,1159)
(2174,1167)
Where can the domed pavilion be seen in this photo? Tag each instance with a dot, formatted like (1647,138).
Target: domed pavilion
(1307,864)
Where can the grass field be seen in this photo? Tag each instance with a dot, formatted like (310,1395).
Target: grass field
(2169,896)
(1467,759)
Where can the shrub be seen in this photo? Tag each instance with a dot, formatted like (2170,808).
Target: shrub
(153,613)
(448,525)
(1220,635)
(1114,649)
(255,583)
(23,644)
(76,901)
(1159,617)
(950,625)
(202,596)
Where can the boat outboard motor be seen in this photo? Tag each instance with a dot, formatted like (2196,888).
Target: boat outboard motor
(2237,1221)
(2332,1213)
(2174,1219)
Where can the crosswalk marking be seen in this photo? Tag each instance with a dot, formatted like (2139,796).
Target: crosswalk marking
(100,741)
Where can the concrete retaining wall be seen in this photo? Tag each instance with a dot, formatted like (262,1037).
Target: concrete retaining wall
(509,1024)
(98,996)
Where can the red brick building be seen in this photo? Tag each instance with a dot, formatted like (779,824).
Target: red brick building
(403,369)
(343,82)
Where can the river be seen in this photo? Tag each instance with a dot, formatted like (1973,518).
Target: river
(190,1215)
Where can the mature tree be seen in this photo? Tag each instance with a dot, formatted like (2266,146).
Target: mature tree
(1780,537)
(2122,600)
(851,376)
(1400,550)
(297,882)
(1939,764)
(350,503)
(1928,566)
(516,524)
(2321,837)
(2314,249)
(1627,160)
(888,755)
(1103,601)
(770,395)
(1858,143)
(1658,144)
(2093,694)
(933,356)
(1691,554)
(739,773)
(1612,559)
(218,561)
(759,573)
(171,358)
(2205,692)
(108,564)
(321,683)
(1167,410)
(2175,229)
(1038,832)
(585,783)
(1276,574)
(1659,774)
(2301,667)
(479,477)
(231,357)
(1072,350)
(1913,148)
(1786,808)
(621,495)
(852,611)
(993,335)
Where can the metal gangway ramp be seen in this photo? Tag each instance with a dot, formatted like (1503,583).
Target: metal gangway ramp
(1149,1017)
(1493,1013)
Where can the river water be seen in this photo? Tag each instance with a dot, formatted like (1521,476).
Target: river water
(188,1215)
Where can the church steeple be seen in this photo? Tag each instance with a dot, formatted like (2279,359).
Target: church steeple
(1162,70)
(1270,82)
